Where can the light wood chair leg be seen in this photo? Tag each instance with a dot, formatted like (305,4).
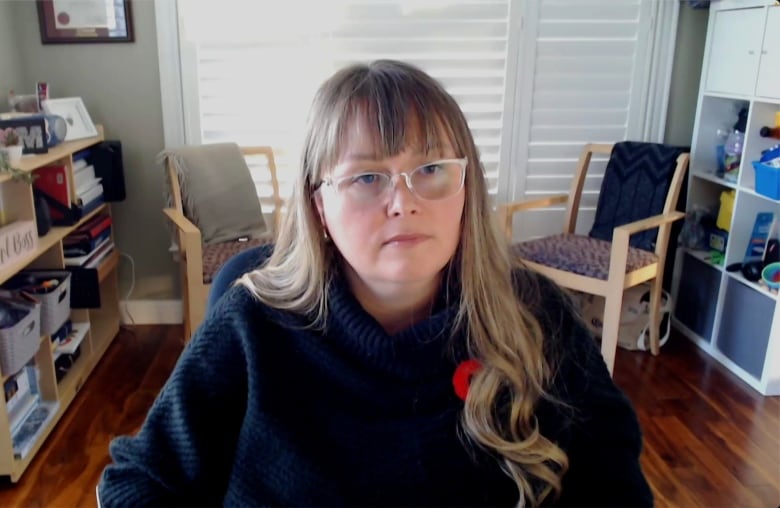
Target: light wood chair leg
(196,312)
(655,316)
(618,256)
(609,335)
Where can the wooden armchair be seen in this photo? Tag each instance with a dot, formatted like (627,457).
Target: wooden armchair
(199,260)
(639,194)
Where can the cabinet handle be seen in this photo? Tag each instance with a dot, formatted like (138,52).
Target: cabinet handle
(764,52)
(751,52)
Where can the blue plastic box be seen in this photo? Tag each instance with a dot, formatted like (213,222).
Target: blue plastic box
(767,180)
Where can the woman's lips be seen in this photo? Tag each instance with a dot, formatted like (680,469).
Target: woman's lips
(406,240)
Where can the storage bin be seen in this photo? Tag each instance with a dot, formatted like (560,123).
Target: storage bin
(767,180)
(55,305)
(19,342)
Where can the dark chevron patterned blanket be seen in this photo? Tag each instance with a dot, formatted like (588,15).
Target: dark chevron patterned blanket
(635,185)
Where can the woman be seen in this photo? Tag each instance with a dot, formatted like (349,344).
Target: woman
(335,373)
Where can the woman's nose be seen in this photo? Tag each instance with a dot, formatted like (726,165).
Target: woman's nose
(402,199)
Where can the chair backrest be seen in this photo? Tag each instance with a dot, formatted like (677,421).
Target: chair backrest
(641,180)
(270,164)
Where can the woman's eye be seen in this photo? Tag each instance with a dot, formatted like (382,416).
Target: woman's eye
(430,169)
(365,178)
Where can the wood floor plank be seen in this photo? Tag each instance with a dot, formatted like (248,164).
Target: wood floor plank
(709,439)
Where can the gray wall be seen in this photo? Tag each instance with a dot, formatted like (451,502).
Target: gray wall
(10,68)
(120,86)
(689,49)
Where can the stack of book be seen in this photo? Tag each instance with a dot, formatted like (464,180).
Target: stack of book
(89,244)
(89,190)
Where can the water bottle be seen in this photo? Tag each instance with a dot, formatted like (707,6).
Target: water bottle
(721,135)
(733,155)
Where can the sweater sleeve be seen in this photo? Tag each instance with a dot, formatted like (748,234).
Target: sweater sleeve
(601,435)
(182,454)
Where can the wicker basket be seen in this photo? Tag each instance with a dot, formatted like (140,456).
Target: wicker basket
(19,343)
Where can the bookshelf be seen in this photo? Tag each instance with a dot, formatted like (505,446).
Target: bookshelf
(735,320)
(99,326)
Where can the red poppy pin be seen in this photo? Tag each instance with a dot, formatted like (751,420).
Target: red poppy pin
(462,377)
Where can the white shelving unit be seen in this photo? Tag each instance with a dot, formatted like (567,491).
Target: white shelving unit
(734,320)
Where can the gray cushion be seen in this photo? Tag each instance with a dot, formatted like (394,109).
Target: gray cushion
(218,194)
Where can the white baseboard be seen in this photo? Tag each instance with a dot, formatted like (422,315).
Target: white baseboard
(151,312)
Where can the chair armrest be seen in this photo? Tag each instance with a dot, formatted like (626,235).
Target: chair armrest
(533,203)
(618,255)
(190,240)
(650,222)
(506,211)
(182,223)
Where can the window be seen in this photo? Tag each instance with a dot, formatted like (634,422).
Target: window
(536,79)
(251,67)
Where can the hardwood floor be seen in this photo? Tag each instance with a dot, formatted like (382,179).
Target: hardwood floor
(710,440)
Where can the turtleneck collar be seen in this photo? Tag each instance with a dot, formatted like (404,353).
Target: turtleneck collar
(422,350)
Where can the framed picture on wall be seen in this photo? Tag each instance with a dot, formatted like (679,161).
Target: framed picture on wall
(73,111)
(77,21)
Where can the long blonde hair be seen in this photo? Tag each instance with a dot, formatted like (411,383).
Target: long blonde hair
(502,331)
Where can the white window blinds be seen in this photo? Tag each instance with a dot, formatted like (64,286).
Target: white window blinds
(588,85)
(250,67)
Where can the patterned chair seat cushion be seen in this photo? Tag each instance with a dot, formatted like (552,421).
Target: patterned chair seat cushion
(215,254)
(579,254)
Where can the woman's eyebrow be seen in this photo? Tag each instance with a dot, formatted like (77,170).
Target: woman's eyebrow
(358,157)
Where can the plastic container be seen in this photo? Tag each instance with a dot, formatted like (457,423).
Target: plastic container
(20,342)
(733,155)
(726,210)
(771,275)
(767,180)
(55,304)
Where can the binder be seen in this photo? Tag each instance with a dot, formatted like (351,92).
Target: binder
(106,157)
(85,288)
(90,229)
(103,247)
(83,246)
(53,182)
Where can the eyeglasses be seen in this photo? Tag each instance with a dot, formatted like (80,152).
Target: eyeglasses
(434,180)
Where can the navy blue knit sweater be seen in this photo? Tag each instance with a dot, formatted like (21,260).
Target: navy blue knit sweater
(262,411)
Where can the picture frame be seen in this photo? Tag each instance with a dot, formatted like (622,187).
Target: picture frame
(76,117)
(31,129)
(85,21)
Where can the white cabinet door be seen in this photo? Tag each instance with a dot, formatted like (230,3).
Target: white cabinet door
(735,51)
(768,84)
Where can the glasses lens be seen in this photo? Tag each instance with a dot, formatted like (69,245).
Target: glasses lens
(437,180)
(364,187)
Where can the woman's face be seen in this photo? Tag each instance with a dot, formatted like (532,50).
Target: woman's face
(396,238)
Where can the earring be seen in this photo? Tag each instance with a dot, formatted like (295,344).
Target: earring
(325,235)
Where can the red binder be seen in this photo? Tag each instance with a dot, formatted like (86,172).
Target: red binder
(53,180)
(90,229)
